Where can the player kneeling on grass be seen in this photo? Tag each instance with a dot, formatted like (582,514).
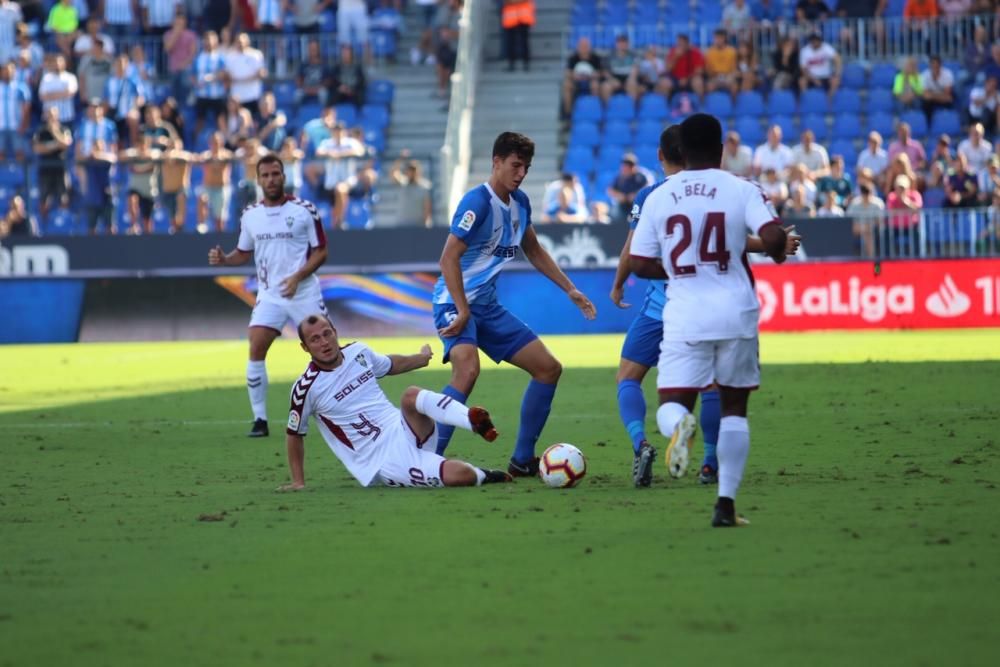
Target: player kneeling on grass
(377,442)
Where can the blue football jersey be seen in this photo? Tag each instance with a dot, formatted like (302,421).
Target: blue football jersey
(656,292)
(493,231)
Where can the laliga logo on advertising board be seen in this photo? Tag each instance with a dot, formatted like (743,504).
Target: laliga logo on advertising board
(872,302)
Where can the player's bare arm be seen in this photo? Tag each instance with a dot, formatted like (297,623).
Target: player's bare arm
(404,363)
(296,463)
(647,267)
(218,257)
(316,258)
(451,270)
(621,275)
(754,244)
(775,240)
(542,260)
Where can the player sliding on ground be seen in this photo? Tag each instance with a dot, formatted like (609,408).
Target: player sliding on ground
(285,236)
(641,347)
(492,223)
(693,230)
(378,443)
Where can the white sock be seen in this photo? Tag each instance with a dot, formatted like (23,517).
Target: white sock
(732,450)
(480,476)
(443,409)
(257,388)
(667,417)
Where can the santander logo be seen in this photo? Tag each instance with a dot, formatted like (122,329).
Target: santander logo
(948,300)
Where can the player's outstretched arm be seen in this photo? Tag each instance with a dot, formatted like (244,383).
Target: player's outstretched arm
(316,258)
(404,363)
(621,275)
(542,260)
(792,243)
(218,257)
(451,271)
(774,239)
(296,462)
(647,267)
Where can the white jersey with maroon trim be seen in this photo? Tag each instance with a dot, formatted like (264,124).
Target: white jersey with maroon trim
(697,224)
(281,239)
(351,410)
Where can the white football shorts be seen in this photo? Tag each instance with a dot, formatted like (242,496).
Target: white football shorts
(410,460)
(696,365)
(273,315)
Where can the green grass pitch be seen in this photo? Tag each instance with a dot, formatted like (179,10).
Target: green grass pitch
(871,488)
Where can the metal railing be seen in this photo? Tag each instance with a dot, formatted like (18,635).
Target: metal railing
(927,233)
(866,40)
(456,153)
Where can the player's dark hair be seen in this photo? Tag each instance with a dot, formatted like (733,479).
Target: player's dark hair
(701,141)
(313,319)
(513,143)
(670,145)
(270,158)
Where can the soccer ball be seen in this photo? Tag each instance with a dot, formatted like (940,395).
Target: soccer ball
(562,466)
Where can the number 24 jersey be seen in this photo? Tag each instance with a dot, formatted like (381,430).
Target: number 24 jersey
(697,224)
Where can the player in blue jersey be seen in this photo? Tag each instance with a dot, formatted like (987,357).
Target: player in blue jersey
(491,223)
(641,349)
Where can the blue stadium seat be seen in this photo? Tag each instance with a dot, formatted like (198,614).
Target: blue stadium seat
(881,99)
(845,127)
(380,91)
(653,107)
(284,95)
(383,44)
(375,137)
(609,157)
(322,208)
(813,101)
(882,123)
(358,214)
(306,113)
(846,101)
(347,114)
(844,148)
(648,132)
(749,129)
(817,123)
(584,134)
(161,220)
(934,198)
(328,21)
(374,115)
(946,121)
(750,103)
(649,158)
(620,107)
(781,102)
(917,122)
(617,132)
(588,108)
(882,76)
(579,161)
(854,76)
(719,104)
(60,223)
(11,175)
(789,128)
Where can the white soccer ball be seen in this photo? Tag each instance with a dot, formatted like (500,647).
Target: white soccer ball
(562,466)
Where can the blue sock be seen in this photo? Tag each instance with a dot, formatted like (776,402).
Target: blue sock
(632,410)
(535,407)
(445,430)
(711,413)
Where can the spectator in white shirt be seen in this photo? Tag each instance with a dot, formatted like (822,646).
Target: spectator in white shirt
(976,149)
(830,207)
(772,154)
(120,16)
(938,83)
(736,17)
(774,187)
(10,16)
(798,176)
(58,88)
(820,65)
(564,201)
(812,155)
(246,69)
(984,105)
(84,42)
(873,156)
(341,153)
(352,22)
(736,158)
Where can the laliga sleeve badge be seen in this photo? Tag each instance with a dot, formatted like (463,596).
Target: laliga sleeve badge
(293,421)
(468,219)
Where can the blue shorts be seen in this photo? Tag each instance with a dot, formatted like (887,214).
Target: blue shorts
(642,342)
(491,328)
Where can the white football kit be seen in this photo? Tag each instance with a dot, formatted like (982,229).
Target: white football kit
(363,428)
(281,239)
(697,224)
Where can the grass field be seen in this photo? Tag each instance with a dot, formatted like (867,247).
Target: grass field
(871,487)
